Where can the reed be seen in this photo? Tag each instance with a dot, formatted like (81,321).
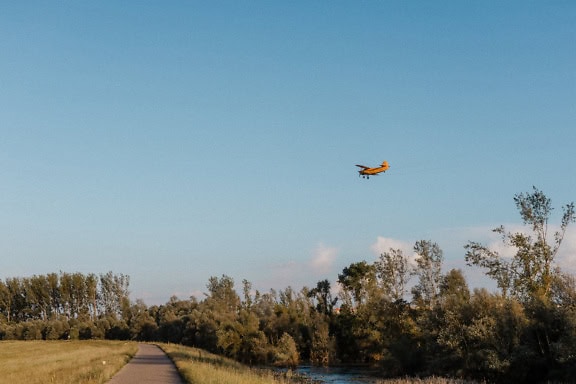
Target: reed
(62,362)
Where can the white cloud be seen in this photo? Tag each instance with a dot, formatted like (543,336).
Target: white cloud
(383,244)
(323,258)
(299,273)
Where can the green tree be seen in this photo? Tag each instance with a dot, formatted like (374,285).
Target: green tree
(54,294)
(394,273)
(286,352)
(142,325)
(66,294)
(450,319)
(114,294)
(454,291)
(358,279)
(323,295)
(564,346)
(37,296)
(242,339)
(530,273)
(173,319)
(323,346)
(5,301)
(222,294)
(246,289)
(429,272)
(91,290)
(212,324)
(16,299)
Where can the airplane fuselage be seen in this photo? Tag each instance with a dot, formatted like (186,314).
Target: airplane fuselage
(373,171)
(367,171)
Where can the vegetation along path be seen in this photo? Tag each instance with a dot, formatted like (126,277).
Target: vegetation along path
(149,365)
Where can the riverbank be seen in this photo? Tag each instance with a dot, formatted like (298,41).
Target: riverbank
(200,367)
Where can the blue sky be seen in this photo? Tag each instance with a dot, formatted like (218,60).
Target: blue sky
(174,141)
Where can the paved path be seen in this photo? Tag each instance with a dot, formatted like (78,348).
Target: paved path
(149,365)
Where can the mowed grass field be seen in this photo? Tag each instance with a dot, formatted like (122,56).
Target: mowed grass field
(62,362)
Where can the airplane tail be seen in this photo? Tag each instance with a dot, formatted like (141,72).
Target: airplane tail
(385,165)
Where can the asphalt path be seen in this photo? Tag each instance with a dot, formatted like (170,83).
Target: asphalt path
(149,365)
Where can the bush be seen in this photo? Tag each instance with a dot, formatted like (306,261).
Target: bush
(56,330)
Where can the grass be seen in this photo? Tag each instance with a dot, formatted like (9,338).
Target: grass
(200,367)
(62,362)
(96,361)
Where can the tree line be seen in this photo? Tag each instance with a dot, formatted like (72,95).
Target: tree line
(403,318)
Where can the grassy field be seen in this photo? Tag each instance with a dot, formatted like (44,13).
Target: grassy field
(200,367)
(62,362)
(96,361)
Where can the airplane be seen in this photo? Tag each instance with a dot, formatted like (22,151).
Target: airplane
(365,172)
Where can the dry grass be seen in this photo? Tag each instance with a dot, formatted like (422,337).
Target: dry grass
(62,362)
(200,367)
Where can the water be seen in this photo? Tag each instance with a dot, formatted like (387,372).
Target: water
(338,375)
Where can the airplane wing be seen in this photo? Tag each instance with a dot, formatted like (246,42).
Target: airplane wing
(362,166)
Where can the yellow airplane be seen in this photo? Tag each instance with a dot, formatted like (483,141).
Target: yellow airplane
(367,171)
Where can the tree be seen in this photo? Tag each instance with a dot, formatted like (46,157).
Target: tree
(325,302)
(142,325)
(92,295)
(41,288)
(450,318)
(114,294)
(393,271)
(5,301)
(16,300)
(358,279)
(322,348)
(212,324)
(286,352)
(454,290)
(498,268)
(492,328)
(429,271)
(54,293)
(246,289)
(222,293)
(530,273)
(531,277)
